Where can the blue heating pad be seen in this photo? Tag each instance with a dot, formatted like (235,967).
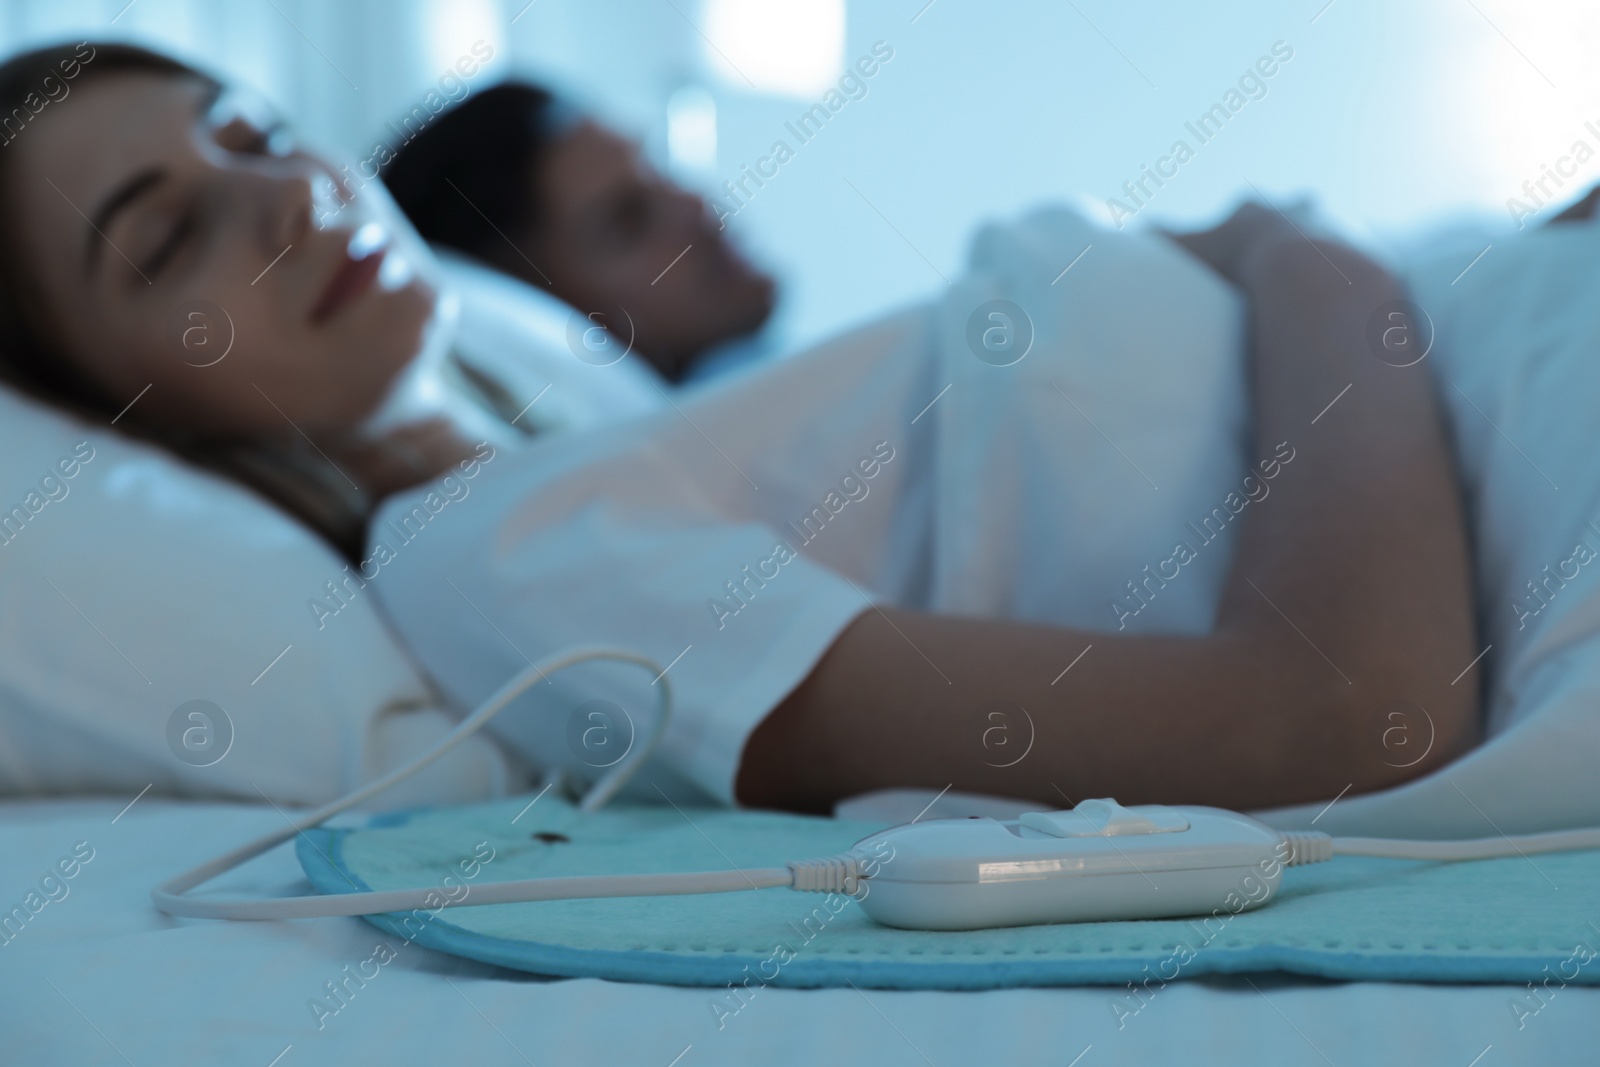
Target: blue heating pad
(1504,920)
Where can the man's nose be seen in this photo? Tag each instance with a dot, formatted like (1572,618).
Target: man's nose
(690,208)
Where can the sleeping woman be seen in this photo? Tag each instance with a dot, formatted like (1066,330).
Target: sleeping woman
(867,636)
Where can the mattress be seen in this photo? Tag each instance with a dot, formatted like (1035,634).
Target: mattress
(96,975)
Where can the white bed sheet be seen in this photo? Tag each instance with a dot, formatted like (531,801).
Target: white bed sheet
(100,978)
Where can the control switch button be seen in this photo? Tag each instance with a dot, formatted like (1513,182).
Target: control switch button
(1105,818)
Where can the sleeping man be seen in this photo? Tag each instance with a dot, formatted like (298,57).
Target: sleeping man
(514,177)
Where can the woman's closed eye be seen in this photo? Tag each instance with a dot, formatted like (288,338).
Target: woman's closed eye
(170,219)
(174,229)
(180,230)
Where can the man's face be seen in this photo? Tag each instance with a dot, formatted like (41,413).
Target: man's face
(617,238)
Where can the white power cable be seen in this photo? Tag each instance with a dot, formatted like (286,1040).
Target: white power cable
(834,873)
(1314,847)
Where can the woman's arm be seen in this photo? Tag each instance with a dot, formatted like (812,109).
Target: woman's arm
(1345,619)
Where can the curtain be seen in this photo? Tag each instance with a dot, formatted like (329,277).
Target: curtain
(341,69)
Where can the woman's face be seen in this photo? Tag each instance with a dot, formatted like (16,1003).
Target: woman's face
(610,238)
(172,240)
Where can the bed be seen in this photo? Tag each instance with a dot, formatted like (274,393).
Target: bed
(96,975)
(99,977)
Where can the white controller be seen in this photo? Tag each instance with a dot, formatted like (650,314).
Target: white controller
(1099,861)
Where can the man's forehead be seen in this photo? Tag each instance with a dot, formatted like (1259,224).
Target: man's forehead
(597,150)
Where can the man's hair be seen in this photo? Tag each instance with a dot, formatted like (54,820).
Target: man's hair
(468,179)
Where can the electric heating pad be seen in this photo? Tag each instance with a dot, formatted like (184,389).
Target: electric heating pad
(1523,918)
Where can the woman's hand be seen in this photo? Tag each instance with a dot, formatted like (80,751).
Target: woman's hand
(1228,247)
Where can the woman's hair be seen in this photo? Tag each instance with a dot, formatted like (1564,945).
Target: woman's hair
(295,478)
(467,179)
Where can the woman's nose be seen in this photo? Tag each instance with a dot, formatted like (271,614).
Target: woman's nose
(286,208)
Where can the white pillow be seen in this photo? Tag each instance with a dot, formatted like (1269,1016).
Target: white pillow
(132,584)
(1516,361)
(542,348)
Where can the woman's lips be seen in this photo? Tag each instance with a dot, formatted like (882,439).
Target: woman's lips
(353,278)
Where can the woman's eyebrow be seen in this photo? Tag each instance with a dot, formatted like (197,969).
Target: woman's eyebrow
(129,191)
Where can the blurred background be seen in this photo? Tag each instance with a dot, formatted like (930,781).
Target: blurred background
(1394,116)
